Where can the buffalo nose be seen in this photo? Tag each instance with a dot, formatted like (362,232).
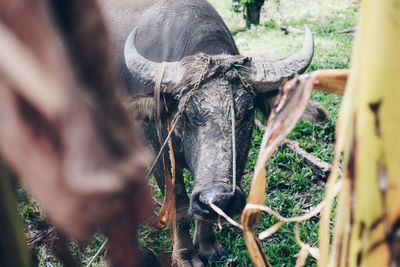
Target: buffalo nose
(230,202)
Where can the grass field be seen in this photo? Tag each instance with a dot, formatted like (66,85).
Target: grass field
(292,187)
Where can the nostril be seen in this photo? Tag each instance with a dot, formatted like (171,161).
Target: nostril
(198,206)
(221,200)
(222,197)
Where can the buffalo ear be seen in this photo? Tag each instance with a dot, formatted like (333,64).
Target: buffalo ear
(314,112)
(264,103)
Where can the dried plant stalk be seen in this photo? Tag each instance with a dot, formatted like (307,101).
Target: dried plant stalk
(367,222)
(289,107)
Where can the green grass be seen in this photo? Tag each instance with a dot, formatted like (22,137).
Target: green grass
(292,187)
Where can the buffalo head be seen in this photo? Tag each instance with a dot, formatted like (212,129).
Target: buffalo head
(216,94)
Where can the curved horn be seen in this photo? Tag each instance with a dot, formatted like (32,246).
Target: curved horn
(146,70)
(267,76)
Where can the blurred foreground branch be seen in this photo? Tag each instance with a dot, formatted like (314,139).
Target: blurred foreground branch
(63,129)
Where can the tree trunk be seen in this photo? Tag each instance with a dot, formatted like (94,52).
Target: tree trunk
(367,223)
(252,12)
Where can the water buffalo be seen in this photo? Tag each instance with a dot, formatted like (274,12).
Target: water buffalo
(209,141)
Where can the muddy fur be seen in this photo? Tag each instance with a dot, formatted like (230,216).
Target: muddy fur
(143,108)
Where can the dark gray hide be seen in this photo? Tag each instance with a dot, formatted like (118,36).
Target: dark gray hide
(183,28)
(177,31)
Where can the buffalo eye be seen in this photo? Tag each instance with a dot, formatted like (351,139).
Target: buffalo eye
(244,107)
(194,116)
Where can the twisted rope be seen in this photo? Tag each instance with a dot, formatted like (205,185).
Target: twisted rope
(233,125)
(233,122)
(178,115)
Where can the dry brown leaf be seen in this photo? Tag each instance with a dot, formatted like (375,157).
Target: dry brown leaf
(333,81)
(305,250)
(270,231)
(302,257)
(313,212)
(168,212)
(314,252)
(289,106)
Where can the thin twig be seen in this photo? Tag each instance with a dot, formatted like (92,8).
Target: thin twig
(223,214)
(40,236)
(97,253)
(313,212)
